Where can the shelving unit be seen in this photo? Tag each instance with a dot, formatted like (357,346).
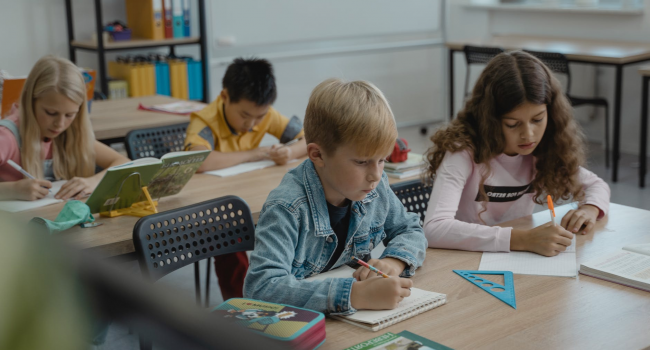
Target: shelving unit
(100,47)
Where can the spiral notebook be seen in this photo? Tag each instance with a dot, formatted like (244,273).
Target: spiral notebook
(374,320)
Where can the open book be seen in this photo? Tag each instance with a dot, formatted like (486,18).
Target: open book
(180,107)
(14,206)
(374,320)
(121,185)
(629,266)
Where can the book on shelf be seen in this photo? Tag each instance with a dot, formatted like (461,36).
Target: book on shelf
(629,266)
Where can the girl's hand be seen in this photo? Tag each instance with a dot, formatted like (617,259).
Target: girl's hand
(77,188)
(547,239)
(390,266)
(586,216)
(31,190)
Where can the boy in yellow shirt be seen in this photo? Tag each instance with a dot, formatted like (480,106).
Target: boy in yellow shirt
(232,127)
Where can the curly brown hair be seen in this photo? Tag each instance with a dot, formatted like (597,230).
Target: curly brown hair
(507,81)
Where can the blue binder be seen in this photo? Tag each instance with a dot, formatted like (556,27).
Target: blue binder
(162,79)
(177,18)
(186,18)
(194,79)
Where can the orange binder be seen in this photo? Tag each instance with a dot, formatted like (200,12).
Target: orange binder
(145,18)
(13,87)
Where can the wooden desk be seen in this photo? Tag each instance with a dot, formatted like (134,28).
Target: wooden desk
(643,156)
(113,119)
(115,236)
(552,312)
(598,52)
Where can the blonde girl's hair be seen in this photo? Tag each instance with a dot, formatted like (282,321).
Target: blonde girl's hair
(355,113)
(73,150)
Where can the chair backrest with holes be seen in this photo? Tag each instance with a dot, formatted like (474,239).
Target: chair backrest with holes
(414,195)
(155,142)
(172,239)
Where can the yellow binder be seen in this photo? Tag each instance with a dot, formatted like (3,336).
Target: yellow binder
(139,76)
(178,79)
(145,18)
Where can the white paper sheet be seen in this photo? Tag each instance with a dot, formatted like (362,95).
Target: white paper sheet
(527,263)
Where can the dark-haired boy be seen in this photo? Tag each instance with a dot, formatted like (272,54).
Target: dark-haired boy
(232,126)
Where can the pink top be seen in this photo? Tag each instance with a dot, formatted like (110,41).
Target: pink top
(9,150)
(452,218)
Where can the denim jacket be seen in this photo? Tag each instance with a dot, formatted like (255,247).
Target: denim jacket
(294,240)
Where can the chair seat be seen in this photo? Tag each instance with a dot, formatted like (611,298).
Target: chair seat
(579,101)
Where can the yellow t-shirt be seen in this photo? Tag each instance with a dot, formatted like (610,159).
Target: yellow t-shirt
(209,128)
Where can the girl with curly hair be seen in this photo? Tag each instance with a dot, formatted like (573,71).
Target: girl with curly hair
(514,143)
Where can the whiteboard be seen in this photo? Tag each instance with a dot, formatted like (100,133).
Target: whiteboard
(268,22)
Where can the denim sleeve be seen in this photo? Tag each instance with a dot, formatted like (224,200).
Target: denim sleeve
(269,275)
(404,236)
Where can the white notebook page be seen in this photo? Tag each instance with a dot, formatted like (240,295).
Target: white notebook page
(527,263)
(418,296)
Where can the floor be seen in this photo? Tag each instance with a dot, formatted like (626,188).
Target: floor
(625,192)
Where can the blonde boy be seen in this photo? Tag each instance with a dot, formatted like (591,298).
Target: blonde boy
(335,205)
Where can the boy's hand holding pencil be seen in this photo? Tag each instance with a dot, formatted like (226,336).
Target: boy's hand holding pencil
(377,290)
(387,267)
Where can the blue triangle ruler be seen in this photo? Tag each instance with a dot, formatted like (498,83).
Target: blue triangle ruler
(507,295)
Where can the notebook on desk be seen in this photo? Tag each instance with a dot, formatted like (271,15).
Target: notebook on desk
(374,320)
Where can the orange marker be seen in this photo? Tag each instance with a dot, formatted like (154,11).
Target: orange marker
(551,208)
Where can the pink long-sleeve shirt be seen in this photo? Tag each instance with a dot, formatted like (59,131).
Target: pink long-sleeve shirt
(452,218)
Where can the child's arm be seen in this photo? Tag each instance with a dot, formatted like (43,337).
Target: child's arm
(79,187)
(440,225)
(593,207)
(282,155)
(405,243)
(270,276)
(25,189)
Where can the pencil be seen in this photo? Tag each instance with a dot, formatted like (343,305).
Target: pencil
(372,268)
(551,208)
(22,171)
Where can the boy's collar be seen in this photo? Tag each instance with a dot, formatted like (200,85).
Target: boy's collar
(318,203)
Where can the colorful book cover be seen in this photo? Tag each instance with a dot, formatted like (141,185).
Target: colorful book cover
(121,186)
(277,321)
(402,341)
(176,170)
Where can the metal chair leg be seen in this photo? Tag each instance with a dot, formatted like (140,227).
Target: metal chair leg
(207,282)
(197,283)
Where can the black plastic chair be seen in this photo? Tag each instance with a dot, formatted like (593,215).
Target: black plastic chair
(558,63)
(414,195)
(155,142)
(167,241)
(478,55)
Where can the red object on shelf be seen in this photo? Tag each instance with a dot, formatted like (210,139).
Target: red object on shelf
(400,151)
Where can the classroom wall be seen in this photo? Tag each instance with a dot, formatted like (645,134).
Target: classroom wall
(467,23)
(308,42)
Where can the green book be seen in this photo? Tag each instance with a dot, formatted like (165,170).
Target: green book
(121,185)
(402,341)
